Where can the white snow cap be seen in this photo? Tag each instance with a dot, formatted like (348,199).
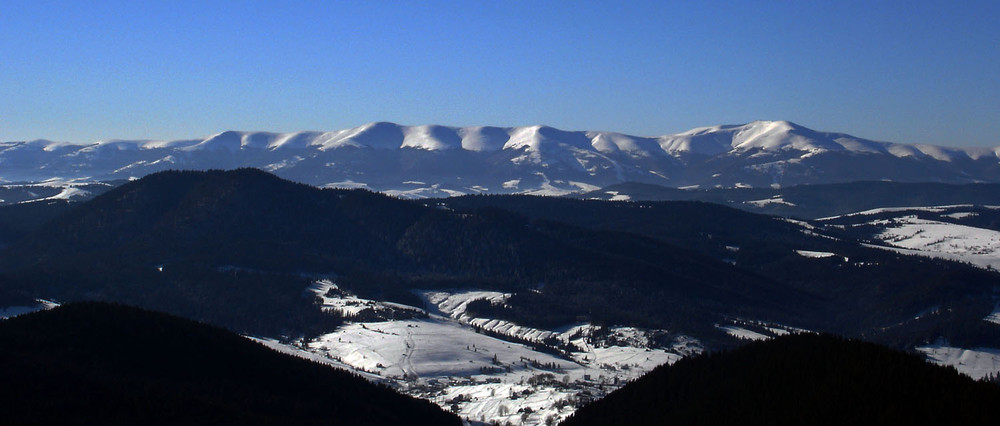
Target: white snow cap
(765,136)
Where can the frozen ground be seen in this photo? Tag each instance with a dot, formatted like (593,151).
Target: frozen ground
(742,333)
(13,311)
(439,355)
(815,254)
(768,201)
(911,235)
(929,209)
(910,232)
(994,316)
(756,330)
(976,363)
(474,367)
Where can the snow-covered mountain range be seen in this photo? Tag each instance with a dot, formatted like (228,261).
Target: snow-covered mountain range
(436,160)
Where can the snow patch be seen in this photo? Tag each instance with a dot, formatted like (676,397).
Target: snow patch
(932,238)
(815,254)
(766,202)
(347,184)
(976,363)
(994,316)
(961,215)
(615,196)
(882,210)
(13,311)
(742,333)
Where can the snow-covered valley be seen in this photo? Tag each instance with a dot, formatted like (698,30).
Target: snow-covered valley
(499,355)
(484,369)
(489,370)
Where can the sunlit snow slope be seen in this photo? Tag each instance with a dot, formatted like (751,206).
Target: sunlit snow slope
(432,160)
(485,370)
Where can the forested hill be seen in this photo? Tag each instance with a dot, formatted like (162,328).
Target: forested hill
(797,380)
(238,248)
(95,363)
(812,201)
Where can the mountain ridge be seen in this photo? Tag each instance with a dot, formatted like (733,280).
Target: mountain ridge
(434,160)
(755,134)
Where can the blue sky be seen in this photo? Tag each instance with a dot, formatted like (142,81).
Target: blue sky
(916,72)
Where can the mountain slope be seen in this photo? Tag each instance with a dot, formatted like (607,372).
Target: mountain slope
(224,247)
(99,363)
(419,161)
(898,300)
(812,201)
(798,379)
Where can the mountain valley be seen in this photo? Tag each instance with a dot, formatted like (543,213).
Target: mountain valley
(469,301)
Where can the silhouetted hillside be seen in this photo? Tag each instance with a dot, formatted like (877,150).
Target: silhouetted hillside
(238,249)
(95,363)
(18,220)
(797,380)
(863,291)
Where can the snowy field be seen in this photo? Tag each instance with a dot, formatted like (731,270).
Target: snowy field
(815,254)
(929,209)
(443,355)
(976,363)
(742,333)
(757,330)
(911,235)
(910,232)
(768,201)
(994,316)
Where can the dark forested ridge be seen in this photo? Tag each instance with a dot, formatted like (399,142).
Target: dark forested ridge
(96,363)
(238,249)
(815,201)
(798,379)
(863,291)
(17,220)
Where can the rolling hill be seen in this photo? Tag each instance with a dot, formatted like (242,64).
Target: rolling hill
(798,379)
(92,363)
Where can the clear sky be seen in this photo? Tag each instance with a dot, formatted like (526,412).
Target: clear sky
(907,71)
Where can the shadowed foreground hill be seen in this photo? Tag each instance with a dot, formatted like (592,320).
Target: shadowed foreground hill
(799,379)
(94,363)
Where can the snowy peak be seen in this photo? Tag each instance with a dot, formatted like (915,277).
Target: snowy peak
(431,138)
(772,136)
(483,138)
(226,141)
(535,138)
(532,159)
(379,135)
(785,136)
(780,135)
(757,136)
